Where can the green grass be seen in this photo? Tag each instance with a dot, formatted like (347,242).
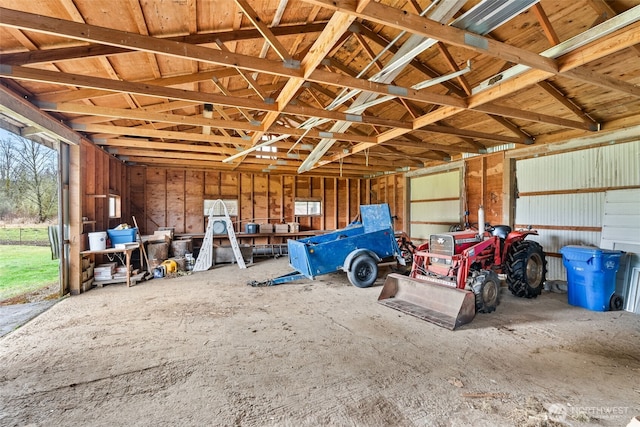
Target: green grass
(24,234)
(25,269)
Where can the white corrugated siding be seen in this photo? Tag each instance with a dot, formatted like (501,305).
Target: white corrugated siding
(597,168)
(426,204)
(608,166)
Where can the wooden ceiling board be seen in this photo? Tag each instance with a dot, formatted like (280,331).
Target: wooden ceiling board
(183,78)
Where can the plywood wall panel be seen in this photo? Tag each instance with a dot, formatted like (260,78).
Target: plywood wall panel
(175,200)
(343,215)
(483,183)
(228,185)
(137,179)
(329,203)
(303,187)
(156,199)
(288,189)
(246,198)
(194,202)
(275,198)
(212,184)
(261,198)
(494,170)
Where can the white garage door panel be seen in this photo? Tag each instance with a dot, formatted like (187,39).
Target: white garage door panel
(621,222)
(439,186)
(442,211)
(422,232)
(434,200)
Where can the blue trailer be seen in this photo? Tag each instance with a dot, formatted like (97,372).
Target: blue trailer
(356,249)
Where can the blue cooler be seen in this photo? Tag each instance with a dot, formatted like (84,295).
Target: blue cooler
(591,276)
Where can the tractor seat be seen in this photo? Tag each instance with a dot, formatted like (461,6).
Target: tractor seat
(502,231)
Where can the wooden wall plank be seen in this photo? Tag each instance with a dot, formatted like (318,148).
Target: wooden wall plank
(246,198)
(175,200)
(194,201)
(156,199)
(274,197)
(330,221)
(228,185)
(289,198)
(484,180)
(212,185)
(136,199)
(260,199)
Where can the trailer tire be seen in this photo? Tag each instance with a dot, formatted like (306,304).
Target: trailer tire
(526,269)
(363,271)
(486,287)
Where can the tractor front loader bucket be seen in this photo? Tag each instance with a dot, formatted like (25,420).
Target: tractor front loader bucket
(445,306)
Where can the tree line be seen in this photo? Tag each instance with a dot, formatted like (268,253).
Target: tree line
(28,179)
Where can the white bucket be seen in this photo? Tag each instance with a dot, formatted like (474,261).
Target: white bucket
(98,241)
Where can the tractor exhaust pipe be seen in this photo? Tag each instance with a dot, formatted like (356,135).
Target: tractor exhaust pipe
(481,222)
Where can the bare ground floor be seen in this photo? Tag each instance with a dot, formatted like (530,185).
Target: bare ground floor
(206,349)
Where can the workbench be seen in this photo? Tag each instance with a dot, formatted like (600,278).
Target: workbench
(127,251)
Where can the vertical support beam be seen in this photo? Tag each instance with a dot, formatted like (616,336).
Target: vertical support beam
(348,190)
(407,206)
(63,217)
(323,192)
(282,217)
(464,196)
(75,220)
(509,191)
(336,198)
(483,172)
(294,191)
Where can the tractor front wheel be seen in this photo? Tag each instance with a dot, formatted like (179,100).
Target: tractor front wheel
(486,287)
(526,269)
(363,272)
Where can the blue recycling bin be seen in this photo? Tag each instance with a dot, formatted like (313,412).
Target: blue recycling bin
(591,276)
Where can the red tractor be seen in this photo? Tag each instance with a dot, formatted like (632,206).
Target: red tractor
(455,275)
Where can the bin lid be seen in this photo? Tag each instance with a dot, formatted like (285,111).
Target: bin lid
(580,252)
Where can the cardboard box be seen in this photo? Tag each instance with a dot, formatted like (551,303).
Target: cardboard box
(265,228)
(282,228)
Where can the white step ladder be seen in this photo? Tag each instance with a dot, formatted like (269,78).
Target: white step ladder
(205,257)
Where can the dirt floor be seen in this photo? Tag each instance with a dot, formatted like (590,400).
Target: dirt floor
(206,349)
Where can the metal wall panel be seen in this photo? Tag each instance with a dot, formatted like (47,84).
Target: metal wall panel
(608,166)
(556,214)
(578,210)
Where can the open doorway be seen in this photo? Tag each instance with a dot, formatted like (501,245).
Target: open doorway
(29,220)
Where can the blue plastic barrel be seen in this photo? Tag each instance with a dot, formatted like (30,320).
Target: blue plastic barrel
(591,276)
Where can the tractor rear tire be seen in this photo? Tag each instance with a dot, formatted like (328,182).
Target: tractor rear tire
(526,269)
(363,272)
(486,287)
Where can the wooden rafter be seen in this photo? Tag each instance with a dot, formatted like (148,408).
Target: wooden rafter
(275,44)
(598,49)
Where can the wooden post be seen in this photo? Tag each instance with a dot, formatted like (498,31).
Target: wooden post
(75,220)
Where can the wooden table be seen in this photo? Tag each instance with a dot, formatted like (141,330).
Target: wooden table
(127,250)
